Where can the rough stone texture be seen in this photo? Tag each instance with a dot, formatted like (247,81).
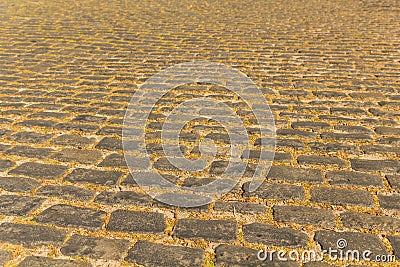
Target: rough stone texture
(39,170)
(154,255)
(304,215)
(30,235)
(276,191)
(395,243)
(77,155)
(124,198)
(358,220)
(70,216)
(18,184)
(354,178)
(93,247)
(394,181)
(341,196)
(295,174)
(6,164)
(94,176)
(18,205)
(214,230)
(35,261)
(355,241)
(5,256)
(388,166)
(389,201)
(274,236)
(135,221)
(240,207)
(67,192)
(321,160)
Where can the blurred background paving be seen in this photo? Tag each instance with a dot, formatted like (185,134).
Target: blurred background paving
(330,71)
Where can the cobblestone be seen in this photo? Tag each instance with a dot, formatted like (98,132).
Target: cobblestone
(18,205)
(40,170)
(214,230)
(341,196)
(304,215)
(35,261)
(135,221)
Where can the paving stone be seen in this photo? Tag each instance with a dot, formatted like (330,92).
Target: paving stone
(290,143)
(30,137)
(37,123)
(229,255)
(380,149)
(155,255)
(313,125)
(355,241)
(95,247)
(113,160)
(124,198)
(48,114)
(110,143)
(4,147)
(394,141)
(341,196)
(375,165)
(291,132)
(334,147)
(110,130)
(347,111)
(30,152)
(346,136)
(18,205)
(274,236)
(394,181)
(94,176)
(5,256)
(389,201)
(86,118)
(240,207)
(40,170)
(36,261)
(387,130)
(295,174)
(275,191)
(136,221)
(6,164)
(31,235)
(73,140)
(354,178)
(214,230)
(82,127)
(70,216)
(66,192)
(353,129)
(358,220)
(304,215)
(78,155)
(395,242)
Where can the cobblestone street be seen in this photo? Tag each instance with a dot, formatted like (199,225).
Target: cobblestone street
(329,70)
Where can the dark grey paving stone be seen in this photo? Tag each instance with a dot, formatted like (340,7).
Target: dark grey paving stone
(86,118)
(240,207)
(380,149)
(290,143)
(295,174)
(110,143)
(293,132)
(274,236)
(95,247)
(355,241)
(229,255)
(389,201)
(31,235)
(37,123)
(214,230)
(275,191)
(83,156)
(388,166)
(66,192)
(353,129)
(313,125)
(74,140)
(30,137)
(49,114)
(393,141)
(321,160)
(341,196)
(125,198)
(354,178)
(394,181)
(113,160)
(70,216)
(334,147)
(35,261)
(40,170)
(5,256)
(94,176)
(110,130)
(385,130)
(346,136)
(5,164)
(29,152)
(4,132)
(395,242)
(14,205)
(357,220)
(82,127)
(156,255)
(137,221)
(304,215)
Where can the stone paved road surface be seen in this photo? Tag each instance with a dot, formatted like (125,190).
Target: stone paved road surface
(330,71)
